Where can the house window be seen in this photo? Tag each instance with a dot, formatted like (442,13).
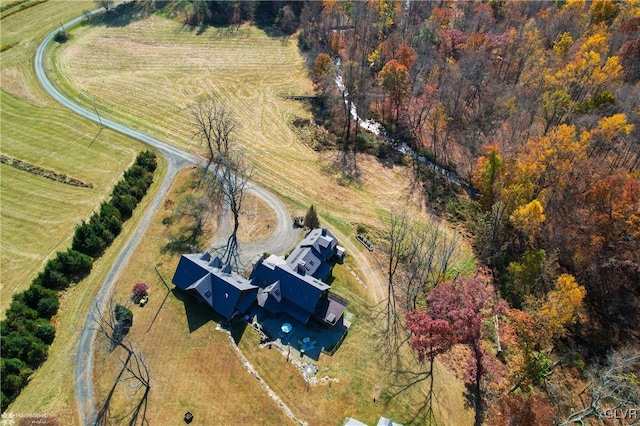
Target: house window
(207,294)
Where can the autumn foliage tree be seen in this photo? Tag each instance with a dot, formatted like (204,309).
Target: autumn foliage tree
(530,335)
(139,290)
(322,73)
(535,104)
(394,78)
(458,312)
(430,337)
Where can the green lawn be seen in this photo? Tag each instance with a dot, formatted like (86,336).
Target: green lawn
(37,215)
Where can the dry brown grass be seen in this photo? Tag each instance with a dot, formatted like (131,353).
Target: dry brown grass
(193,367)
(361,372)
(257,220)
(148,72)
(145,74)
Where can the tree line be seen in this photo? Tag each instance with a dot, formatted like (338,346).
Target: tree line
(26,333)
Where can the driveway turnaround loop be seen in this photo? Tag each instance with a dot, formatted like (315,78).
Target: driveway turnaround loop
(283,238)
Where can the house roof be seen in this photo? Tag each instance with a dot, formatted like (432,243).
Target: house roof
(225,291)
(305,260)
(272,290)
(188,271)
(291,309)
(293,286)
(322,241)
(350,421)
(303,291)
(311,255)
(383,421)
(331,309)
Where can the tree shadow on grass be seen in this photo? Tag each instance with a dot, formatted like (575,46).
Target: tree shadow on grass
(120,16)
(186,240)
(178,246)
(104,413)
(199,29)
(403,380)
(344,167)
(473,400)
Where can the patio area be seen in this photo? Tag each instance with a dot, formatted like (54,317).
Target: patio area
(306,342)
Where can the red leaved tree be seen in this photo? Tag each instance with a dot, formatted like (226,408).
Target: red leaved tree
(457,312)
(139,290)
(430,338)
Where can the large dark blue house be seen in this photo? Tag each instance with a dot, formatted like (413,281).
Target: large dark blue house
(209,280)
(293,286)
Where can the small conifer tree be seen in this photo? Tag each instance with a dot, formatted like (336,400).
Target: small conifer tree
(311,220)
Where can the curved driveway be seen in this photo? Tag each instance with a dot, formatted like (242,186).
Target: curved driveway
(283,238)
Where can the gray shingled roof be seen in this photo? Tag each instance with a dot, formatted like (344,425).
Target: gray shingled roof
(221,288)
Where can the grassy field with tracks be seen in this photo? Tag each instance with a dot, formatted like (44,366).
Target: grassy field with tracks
(146,72)
(37,215)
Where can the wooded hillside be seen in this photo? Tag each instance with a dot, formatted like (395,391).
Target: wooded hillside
(537,104)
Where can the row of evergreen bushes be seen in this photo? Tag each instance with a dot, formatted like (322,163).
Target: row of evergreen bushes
(94,236)
(26,333)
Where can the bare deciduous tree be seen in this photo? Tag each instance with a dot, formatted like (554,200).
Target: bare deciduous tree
(234,177)
(426,265)
(398,247)
(107,4)
(215,128)
(134,369)
(418,260)
(613,388)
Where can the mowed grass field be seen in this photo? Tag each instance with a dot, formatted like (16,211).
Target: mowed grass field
(147,72)
(194,368)
(38,215)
